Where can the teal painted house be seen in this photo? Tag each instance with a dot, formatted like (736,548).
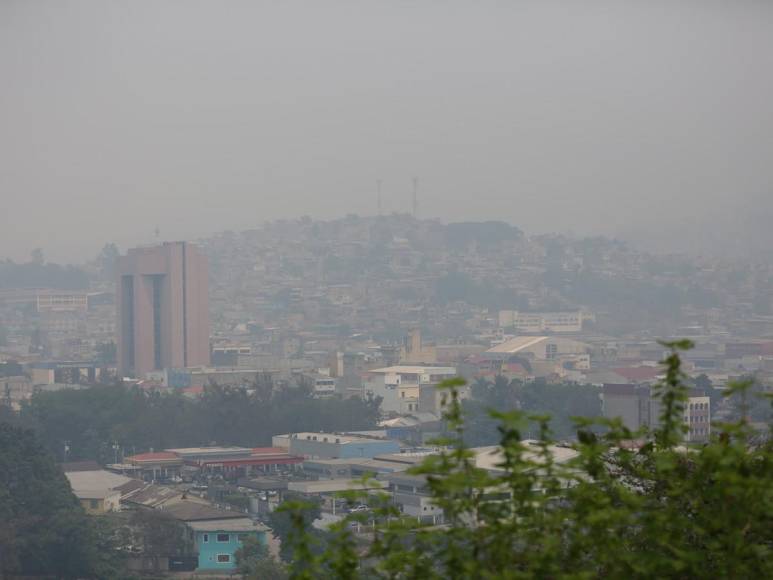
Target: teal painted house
(216,541)
(216,533)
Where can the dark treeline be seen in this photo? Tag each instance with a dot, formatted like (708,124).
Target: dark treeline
(91,421)
(561,401)
(36,274)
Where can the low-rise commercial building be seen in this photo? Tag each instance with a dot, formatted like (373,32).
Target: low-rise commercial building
(333,445)
(400,386)
(535,322)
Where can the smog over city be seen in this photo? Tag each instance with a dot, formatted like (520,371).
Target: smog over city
(426,289)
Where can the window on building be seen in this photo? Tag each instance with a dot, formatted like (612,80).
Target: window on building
(223,538)
(205,538)
(93,503)
(223,558)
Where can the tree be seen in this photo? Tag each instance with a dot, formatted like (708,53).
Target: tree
(255,563)
(159,534)
(561,401)
(92,420)
(106,260)
(283,524)
(43,530)
(36,257)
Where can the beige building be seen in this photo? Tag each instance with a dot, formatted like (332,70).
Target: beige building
(543,355)
(414,351)
(46,300)
(97,490)
(400,386)
(535,322)
(162,302)
(101,501)
(57,301)
(539,347)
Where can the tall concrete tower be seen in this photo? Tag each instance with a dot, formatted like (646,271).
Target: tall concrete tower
(162,299)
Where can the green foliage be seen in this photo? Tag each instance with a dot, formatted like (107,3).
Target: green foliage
(36,274)
(292,520)
(237,500)
(92,419)
(456,286)
(561,401)
(43,530)
(158,533)
(664,510)
(255,563)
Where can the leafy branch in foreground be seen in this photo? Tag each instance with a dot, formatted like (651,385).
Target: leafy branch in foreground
(663,509)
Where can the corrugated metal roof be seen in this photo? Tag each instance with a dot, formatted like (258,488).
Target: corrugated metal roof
(228,525)
(415,370)
(517,344)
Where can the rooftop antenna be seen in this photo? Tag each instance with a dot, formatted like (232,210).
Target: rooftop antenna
(378,195)
(415,195)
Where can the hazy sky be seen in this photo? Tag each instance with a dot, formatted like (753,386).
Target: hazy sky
(591,117)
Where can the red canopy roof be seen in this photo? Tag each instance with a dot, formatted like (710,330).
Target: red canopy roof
(639,374)
(155,456)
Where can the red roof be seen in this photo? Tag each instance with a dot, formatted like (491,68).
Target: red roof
(639,374)
(514,368)
(283,459)
(155,456)
(268,450)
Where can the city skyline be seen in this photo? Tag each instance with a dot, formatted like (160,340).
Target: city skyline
(552,117)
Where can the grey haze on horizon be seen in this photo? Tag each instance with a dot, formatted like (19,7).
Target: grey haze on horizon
(649,121)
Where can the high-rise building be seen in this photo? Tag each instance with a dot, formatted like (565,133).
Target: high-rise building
(162,300)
